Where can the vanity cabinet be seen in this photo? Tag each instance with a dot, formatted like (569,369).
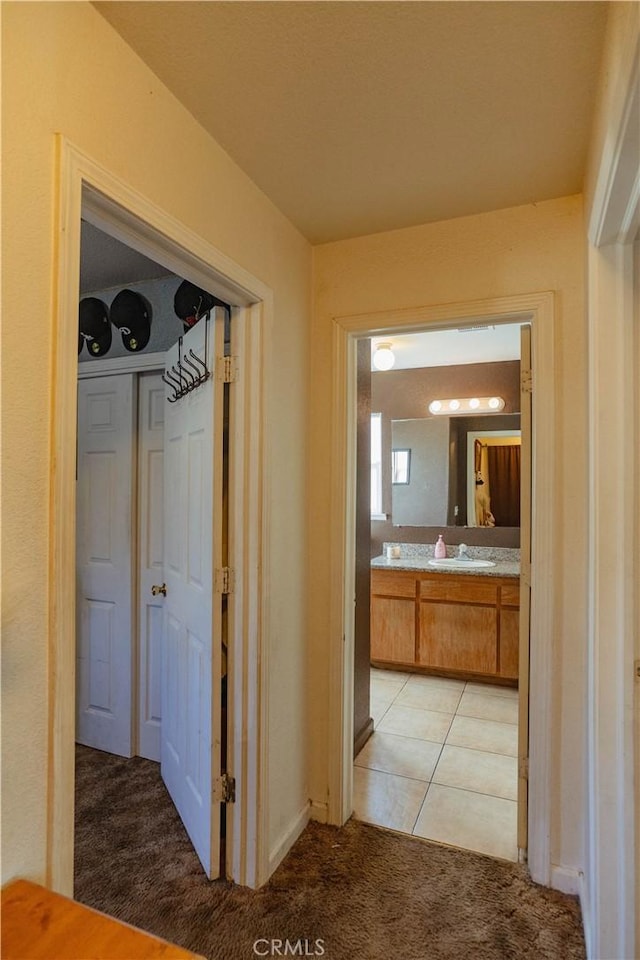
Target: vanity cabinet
(445,624)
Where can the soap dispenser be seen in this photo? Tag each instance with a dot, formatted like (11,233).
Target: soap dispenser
(440,551)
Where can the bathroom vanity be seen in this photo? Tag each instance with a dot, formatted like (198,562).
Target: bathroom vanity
(462,624)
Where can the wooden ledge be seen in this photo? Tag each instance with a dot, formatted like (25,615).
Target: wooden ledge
(38,924)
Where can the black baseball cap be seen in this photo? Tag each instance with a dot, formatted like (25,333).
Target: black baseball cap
(131,313)
(94,326)
(191,302)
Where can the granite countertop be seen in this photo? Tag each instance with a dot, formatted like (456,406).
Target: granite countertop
(421,564)
(416,557)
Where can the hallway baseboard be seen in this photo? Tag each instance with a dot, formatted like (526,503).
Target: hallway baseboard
(567,879)
(319,811)
(288,838)
(573,881)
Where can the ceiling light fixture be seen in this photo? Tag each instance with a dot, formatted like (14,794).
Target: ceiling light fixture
(458,407)
(383,358)
(474,328)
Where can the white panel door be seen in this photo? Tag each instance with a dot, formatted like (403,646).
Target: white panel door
(106,416)
(151,407)
(191,668)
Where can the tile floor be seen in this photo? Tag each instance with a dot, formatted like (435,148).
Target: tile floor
(442,762)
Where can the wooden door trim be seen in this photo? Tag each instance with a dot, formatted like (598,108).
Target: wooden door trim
(609,887)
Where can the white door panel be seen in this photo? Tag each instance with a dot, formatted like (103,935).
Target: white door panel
(151,404)
(191,669)
(104,566)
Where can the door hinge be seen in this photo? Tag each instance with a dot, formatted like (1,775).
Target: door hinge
(226,369)
(523,768)
(224,789)
(637,669)
(526,381)
(225,580)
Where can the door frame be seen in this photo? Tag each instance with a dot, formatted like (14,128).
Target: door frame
(89,190)
(611,883)
(538,309)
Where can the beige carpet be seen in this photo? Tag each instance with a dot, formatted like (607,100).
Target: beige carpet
(368,894)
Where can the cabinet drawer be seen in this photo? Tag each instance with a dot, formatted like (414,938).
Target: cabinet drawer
(510,595)
(393,584)
(460,591)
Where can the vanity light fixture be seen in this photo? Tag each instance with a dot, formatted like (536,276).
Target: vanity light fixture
(458,407)
(384,357)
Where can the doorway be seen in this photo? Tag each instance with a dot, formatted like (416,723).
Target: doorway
(538,310)
(151,642)
(89,192)
(443,760)
(122,402)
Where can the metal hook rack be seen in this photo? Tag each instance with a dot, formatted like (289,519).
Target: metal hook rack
(190,371)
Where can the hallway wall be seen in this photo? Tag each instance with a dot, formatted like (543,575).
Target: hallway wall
(65,70)
(518,250)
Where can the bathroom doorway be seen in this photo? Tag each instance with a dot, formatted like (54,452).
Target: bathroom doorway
(438,757)
(536,606)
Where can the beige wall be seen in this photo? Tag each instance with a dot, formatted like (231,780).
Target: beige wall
(506,252)
(66,71)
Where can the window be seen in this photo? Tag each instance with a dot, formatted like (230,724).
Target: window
(400,465)
(376,466)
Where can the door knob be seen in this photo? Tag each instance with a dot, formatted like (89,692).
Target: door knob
(162,588)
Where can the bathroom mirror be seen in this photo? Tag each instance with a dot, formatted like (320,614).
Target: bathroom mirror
(422,500)
(441,488)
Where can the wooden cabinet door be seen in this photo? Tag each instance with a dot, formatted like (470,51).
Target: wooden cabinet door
(509,630)
(458,636)
(393,629)
(509,642)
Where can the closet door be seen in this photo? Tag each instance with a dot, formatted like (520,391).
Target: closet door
(106,423)
(151,406)
(192,649)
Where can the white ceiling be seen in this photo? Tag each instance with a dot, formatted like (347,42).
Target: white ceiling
(362,117)
(105,262)
(443,348)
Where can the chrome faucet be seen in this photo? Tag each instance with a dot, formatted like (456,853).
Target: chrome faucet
(462,552)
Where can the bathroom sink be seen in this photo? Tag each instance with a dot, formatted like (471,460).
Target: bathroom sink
(456,563)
